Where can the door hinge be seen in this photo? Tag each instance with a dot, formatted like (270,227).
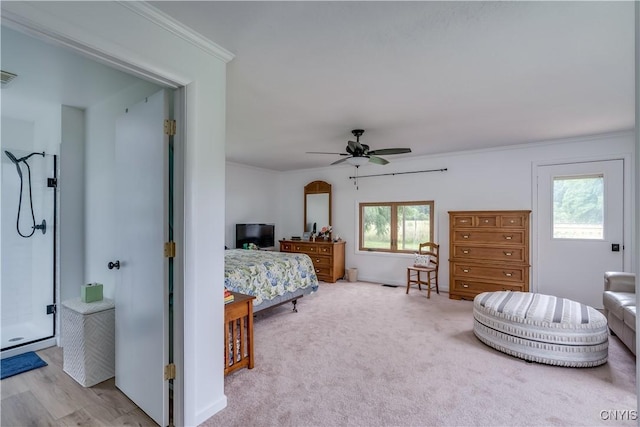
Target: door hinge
(170,127)
(170,372)
(52,182)
(51,309)
(170,249)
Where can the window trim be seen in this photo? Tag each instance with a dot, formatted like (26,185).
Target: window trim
(394,221)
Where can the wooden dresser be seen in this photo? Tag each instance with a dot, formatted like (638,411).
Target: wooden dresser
(488,251)
(327,257)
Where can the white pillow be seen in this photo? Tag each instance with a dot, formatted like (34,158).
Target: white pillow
(420,260)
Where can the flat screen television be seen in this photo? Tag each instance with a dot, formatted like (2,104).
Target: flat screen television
(262,235)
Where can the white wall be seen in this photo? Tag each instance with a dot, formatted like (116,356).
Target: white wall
(100,197)
(42,116)
(71,179)
(483,180)
(251,196)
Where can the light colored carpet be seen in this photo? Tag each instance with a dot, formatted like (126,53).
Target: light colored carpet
(361,354)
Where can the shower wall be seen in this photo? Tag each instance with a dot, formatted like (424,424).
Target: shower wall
(27,264)
(16,265)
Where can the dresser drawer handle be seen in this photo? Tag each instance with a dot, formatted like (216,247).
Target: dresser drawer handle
(465,251)
(317,260)
(486,221)
(464,221)
(512,221)
(508,237)
(508,253)
(464,285)
(508,274)
(465,236)
(317,270)
(466,270)
(297,248)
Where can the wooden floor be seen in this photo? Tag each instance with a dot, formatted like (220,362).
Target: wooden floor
(49,397)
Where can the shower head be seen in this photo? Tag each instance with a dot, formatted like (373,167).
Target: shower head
(11,156)
(15,161)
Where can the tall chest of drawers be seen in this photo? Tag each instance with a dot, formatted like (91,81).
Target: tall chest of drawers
(488,251)
(327,257)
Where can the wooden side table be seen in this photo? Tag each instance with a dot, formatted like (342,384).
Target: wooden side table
(238,333)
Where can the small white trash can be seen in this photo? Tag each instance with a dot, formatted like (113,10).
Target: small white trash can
(352,274)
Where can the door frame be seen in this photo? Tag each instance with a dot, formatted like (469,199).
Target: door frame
(629,230)
(180,115)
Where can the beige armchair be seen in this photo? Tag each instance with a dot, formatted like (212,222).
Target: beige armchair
(619,300)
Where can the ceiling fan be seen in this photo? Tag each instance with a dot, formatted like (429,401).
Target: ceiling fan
(359,154)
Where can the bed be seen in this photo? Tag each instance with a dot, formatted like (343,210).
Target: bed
(272,277)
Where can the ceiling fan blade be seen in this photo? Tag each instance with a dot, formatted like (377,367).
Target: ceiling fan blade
(377,160)
(324,152)
(337,162)
(387,151)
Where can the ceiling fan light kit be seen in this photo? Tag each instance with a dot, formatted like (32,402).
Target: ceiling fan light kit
(357,161)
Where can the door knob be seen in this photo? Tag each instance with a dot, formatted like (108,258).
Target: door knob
(113,265)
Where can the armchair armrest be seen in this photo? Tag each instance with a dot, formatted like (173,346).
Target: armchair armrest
(619,282)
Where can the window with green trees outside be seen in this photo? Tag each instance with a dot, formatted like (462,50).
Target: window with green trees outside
(395,226)
(578,207)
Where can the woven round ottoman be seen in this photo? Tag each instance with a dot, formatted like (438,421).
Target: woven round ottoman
(541,328)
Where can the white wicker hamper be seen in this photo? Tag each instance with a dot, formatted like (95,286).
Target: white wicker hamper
(88,340)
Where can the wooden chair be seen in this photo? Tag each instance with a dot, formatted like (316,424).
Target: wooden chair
(414,272)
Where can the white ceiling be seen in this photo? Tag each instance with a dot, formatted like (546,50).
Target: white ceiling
(433,76)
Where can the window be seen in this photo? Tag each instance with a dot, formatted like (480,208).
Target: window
(395,226)
(578,207)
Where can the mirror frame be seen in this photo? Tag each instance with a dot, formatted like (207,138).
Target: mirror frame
(316,187)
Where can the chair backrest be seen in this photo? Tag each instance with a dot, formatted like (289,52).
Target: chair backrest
(432,249)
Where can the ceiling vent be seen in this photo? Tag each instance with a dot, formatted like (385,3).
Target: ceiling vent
(6,77)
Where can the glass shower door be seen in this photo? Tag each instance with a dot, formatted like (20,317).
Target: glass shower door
(28,269)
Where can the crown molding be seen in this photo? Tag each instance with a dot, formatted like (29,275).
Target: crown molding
(34,28)
(177,28)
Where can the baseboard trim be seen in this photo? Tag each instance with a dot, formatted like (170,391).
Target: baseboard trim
(208,412)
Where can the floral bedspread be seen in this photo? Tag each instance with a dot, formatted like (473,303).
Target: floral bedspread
(267,274)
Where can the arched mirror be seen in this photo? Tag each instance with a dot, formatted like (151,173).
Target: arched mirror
(317,205)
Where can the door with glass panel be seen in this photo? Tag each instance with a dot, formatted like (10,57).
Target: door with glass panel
(580,228)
